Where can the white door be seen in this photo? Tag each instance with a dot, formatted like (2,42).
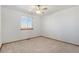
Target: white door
(0,28)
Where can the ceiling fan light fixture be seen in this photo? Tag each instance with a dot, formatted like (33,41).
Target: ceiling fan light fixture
(38,12)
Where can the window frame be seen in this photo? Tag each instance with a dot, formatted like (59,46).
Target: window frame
(27,24)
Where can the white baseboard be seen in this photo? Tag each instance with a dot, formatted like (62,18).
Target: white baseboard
(54,38)
(61,40)
(9,41)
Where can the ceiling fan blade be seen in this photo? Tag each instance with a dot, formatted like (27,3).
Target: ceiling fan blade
(44,8)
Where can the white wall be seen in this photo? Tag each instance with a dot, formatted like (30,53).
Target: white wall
(62,25)
(10,26)
(0,27)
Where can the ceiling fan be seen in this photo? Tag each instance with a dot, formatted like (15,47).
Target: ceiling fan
(40,9)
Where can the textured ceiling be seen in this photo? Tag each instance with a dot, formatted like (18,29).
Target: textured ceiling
(51,8)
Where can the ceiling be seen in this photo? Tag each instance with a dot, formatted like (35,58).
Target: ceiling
(50,8)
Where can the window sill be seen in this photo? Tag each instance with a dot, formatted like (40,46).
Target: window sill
(26,29)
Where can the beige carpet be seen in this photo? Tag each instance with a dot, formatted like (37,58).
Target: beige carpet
(39,45)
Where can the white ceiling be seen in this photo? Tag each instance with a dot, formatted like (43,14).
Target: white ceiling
(51,8)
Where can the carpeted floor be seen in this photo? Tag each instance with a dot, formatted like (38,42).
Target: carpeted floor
(39,45)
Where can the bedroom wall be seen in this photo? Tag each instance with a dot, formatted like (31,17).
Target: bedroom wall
(62,25)
(11,22)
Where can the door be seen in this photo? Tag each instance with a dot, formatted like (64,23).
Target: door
(0,28)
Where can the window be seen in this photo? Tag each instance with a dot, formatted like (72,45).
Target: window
(26,23)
